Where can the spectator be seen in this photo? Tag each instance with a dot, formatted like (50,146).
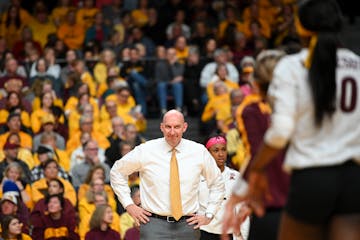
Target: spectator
(80,171)
(211,117)
(154,28)
(21,46)
(90,183)
(84,107)
(192,90)
(13,123)
(12,81)
(55,186)
(60,128)
(231,19)
(11,27)
(284,26)
(221,74)
(263,16)
(71,55)
(53,67)
(98,31)
(112,153)
(78,155)
(41,26)
(85,16)
(24,154)
(86,125)
(56,224)
(71,32)
(11,228)
(208,50)
(179,20)
(11,205)
(133,71)
(102,68)
(169,74)
(43,154)
(234,144)
(106,125)
(59,13)
(182,48)
(200,34)
(45,86)
(13,180)
(49,139)
(208,71)
(74,102)
(125,103)
(138,36)
(140,14)
(25,17)
(47,104)
(20,69)
(100,224)
(132,136)
(14,103)
(11,152)
(41,71)
(241,49)
(87,207)
(116,41)
(51,171)
(112,13)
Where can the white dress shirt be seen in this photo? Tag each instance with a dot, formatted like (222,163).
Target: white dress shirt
(230,177)
(338,138)
(152,160)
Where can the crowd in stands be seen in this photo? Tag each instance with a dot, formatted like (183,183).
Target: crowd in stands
(78,80)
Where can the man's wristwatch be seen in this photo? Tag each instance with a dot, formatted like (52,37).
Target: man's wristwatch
(209,215)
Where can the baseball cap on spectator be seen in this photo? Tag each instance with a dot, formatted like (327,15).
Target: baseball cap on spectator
(48,118)
(9,196)
(44,149)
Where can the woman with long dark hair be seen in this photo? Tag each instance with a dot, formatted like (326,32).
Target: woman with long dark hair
(12,26)
(11,229)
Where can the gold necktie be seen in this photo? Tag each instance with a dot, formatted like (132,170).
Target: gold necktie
(175,197)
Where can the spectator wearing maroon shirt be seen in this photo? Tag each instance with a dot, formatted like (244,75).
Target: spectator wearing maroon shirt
(56,224)
(100,224)
(13,82)
(19,48)
(55,186)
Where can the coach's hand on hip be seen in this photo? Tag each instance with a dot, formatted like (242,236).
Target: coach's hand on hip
(139,214)
(198,220)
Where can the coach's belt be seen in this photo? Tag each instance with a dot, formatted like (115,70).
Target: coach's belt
(169,218)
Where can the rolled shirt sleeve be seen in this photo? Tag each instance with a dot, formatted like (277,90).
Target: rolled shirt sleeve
(119,176)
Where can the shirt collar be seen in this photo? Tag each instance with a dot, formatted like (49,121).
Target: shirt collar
(180,147)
